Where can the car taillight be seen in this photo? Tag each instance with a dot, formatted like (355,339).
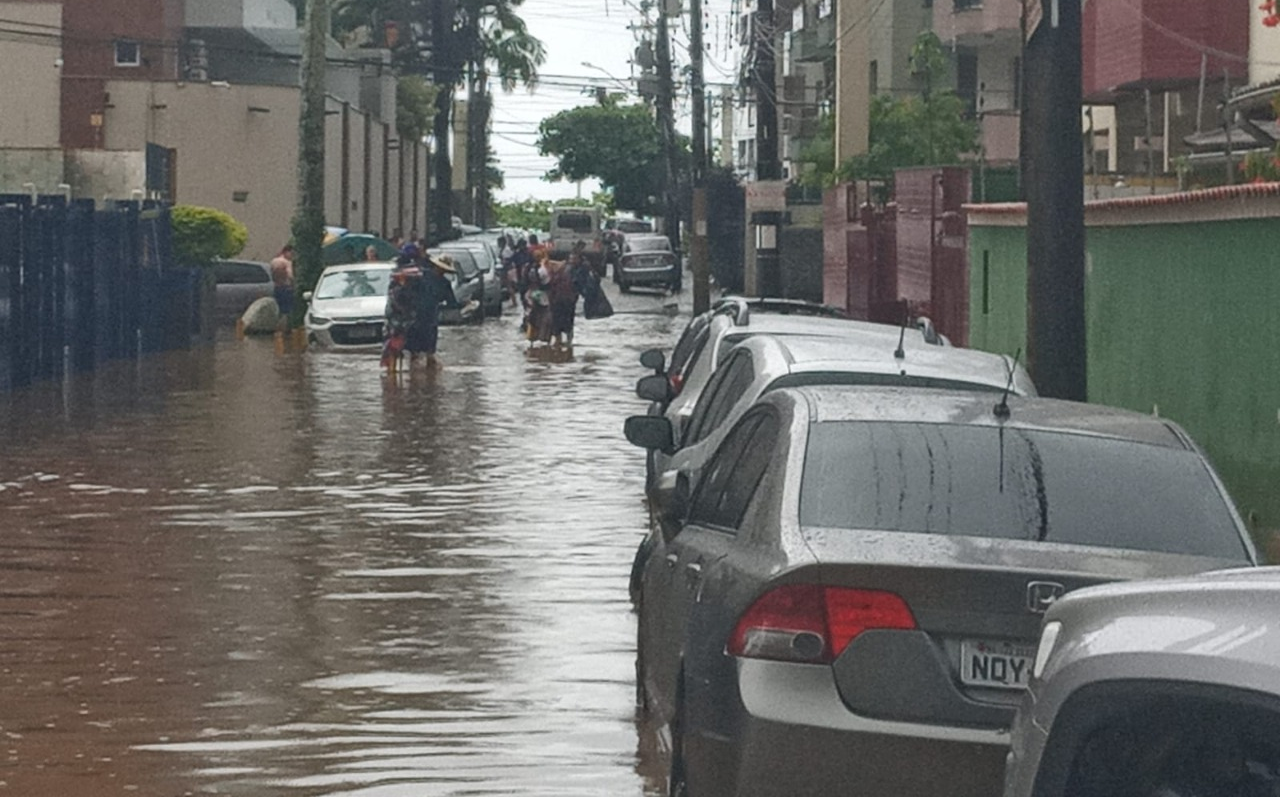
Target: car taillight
(677,382)
(812,623)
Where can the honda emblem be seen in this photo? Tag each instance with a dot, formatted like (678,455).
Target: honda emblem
(1043,594)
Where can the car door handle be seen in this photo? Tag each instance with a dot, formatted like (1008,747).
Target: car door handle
(671,561)
(693,570)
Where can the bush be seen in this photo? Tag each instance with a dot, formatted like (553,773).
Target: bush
(202,235)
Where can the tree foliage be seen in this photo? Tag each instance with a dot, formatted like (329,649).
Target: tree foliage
(620,145)
(415,107)
(524,214)
(202,235)
(928,129)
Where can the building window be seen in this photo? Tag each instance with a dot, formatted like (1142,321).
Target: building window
(825,8)
(128,53)
(875,78)
(1017,85)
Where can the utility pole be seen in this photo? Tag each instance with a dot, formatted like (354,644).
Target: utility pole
(764,73)
(699,246)
(308,220)
(766,223)
(1053,179)
(443,13)
(667,123)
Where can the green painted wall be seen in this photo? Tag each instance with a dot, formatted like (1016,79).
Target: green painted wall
(1183,318)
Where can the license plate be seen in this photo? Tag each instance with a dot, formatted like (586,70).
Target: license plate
(1001,665)
(368,332)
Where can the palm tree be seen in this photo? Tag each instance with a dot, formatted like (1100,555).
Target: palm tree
(501,44)
(469,38)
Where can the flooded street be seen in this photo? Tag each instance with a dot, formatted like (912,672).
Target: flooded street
(235,572)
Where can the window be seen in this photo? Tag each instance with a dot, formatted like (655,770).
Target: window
(875,78)
(128,53)
(967,80)
(578,222)
(229,272)
(1013,483)
(727,386)
(690,343)
(735,472)
(350,284)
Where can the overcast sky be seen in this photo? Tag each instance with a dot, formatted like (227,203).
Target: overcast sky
(597,32)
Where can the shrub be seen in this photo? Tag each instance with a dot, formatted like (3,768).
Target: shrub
(201,235)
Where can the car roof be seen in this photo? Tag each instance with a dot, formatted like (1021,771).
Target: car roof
(871,352)
(837,403)
(367,266)
(791,324)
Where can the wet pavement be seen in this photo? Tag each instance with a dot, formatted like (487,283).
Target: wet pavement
(236,572)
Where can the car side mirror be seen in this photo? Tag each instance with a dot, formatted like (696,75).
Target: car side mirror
(306,296)
(654,359)
(654,388)
(651,432)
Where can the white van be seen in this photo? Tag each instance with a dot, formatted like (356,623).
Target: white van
(572,224)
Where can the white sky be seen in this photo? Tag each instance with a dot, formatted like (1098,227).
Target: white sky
(596,32)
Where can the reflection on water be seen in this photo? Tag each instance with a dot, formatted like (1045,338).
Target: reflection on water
(229,572)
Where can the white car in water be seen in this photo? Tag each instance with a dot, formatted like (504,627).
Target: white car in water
(347,309)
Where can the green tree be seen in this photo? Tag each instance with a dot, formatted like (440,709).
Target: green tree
(620,145)
(525,214)
(415,107)
(929,129)
(202,235)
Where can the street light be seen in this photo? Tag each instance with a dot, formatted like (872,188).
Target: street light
(625,86)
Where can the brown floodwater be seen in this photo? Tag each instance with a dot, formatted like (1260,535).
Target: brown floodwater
(237,572)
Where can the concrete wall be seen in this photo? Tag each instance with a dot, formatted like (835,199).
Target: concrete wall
(237,151)
(41,167)
(1181,298)
(30,77)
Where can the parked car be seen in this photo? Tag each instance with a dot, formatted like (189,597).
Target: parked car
(347,309)
(489,262)
(851,593)
(240,283)
(647,260)
(1167,688)
(468,285)
(709,338)
(867,354)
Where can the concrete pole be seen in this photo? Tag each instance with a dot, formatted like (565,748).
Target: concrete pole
(308,221)
(699,250)
(1053,180)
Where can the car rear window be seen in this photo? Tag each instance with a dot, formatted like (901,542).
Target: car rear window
(1016,484)
(578,222)
(656,244)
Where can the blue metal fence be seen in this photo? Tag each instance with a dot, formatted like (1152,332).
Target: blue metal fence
(81,285)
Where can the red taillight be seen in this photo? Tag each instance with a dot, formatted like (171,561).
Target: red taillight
(677,382)
(812,623)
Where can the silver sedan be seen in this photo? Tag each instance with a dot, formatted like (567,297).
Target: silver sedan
(852,599)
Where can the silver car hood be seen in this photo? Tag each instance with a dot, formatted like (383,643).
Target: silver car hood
(350,308)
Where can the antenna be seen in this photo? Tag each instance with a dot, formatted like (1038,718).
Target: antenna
(901,353)
(1001,410)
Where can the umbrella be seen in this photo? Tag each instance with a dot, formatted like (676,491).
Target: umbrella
(350,249)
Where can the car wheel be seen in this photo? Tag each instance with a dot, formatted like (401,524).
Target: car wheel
(643,552)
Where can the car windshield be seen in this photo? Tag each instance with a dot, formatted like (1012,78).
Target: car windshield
(462,258)
(353,284)
(1016,484)
(578,222)
(655,244)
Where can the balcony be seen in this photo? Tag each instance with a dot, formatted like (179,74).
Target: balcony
(972,23)
(815,43)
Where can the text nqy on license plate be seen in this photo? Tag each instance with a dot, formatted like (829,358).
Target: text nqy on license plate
(1002,665)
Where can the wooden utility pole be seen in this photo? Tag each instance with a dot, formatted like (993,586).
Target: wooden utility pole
(667,124)
(699,248)
(308,221)
(1053,179)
